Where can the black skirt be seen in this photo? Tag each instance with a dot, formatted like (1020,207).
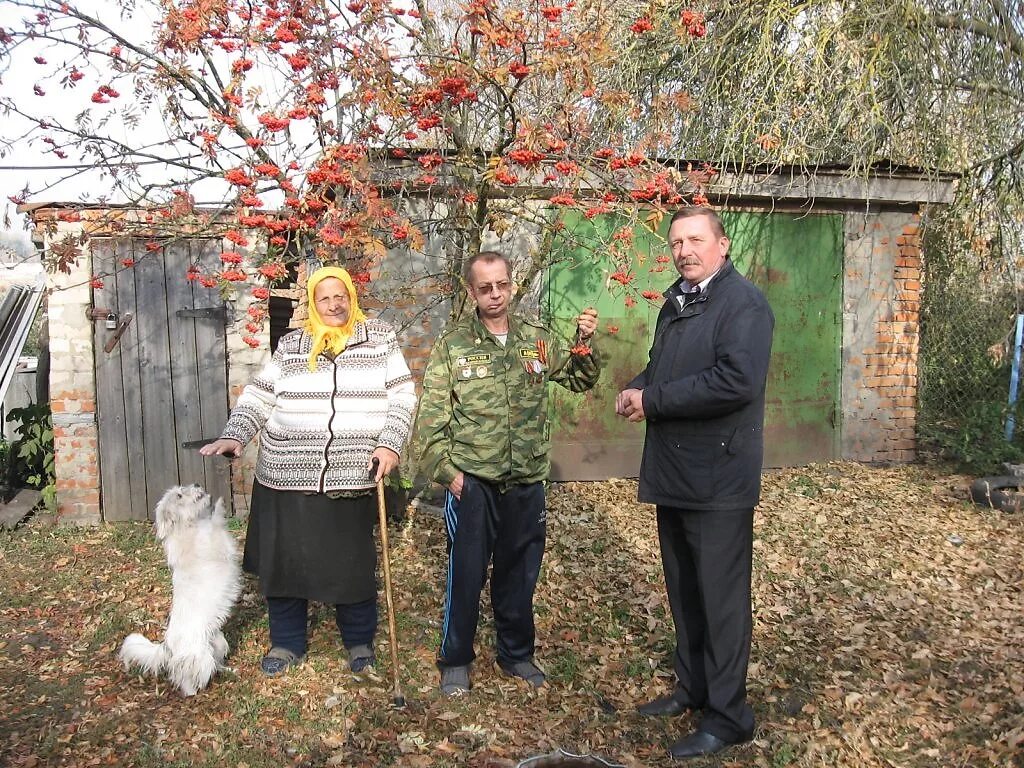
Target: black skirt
(311,546)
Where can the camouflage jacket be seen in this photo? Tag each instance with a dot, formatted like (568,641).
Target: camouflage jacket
(484,405)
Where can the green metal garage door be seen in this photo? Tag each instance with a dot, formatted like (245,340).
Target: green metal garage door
(795,259)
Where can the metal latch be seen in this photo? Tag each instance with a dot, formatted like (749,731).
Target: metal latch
(108,316)
(198,443)
(126,320)
(217,313)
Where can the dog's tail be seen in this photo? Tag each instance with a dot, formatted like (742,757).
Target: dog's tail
(150,657)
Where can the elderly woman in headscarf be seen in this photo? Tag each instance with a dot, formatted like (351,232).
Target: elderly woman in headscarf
(336,395)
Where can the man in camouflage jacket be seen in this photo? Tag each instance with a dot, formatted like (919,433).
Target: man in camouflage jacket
(482,432)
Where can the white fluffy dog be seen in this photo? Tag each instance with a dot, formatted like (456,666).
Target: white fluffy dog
(206,578)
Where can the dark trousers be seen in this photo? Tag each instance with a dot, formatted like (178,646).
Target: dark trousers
(357,622)
(510,528)
(707,557)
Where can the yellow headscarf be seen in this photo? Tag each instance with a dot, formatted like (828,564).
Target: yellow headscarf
(330,337)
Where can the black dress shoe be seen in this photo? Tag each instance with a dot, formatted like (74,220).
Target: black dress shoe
(664,706)
(696,744)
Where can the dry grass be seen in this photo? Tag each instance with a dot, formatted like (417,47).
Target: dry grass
(878,641)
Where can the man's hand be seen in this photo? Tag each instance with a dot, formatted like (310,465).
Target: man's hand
(386,461)
(630,403)
(222,446)
(587,323)
(456,486)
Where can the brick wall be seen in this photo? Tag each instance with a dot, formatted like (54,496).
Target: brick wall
(882,284)
(73,390)
(881,294)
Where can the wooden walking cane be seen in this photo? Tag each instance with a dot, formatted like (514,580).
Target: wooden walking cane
(399,699)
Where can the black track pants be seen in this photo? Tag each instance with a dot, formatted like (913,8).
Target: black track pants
(508,527)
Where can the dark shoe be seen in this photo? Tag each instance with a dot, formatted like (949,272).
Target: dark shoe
(278,660)
(525,670)
(696,744)
(664,706)
(360,657)
(455,680)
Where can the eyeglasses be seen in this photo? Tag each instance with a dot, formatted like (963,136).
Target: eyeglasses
(501,287)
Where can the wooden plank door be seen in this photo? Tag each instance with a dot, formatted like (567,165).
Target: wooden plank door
(164,382)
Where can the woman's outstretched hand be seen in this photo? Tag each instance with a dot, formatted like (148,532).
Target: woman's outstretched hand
(224,446)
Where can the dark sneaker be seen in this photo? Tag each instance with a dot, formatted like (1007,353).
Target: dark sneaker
(278,660)
(455,680)
(360,657)
(525,670)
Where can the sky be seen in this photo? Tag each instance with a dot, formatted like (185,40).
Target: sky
(23,163)
(37,166)
(33,164)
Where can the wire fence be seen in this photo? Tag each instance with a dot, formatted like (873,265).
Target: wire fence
(968,317)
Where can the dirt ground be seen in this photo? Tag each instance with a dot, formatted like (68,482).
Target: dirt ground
(888,631)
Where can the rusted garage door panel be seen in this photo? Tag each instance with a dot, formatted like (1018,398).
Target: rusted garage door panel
(797,262)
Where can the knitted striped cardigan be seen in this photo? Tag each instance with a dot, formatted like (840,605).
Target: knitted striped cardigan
(318,428)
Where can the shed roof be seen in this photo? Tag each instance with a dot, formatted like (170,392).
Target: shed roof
(836,185)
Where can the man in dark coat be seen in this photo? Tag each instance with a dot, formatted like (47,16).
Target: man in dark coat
(702,395)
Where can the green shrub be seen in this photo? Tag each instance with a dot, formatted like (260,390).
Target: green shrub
(31,455)
(975,440)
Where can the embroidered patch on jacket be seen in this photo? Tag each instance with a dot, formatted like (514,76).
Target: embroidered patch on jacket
(482,358)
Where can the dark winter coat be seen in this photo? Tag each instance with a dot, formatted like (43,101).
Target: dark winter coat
(704,394)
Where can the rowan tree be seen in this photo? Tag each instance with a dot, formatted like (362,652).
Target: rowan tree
(350,128)
(366,125)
